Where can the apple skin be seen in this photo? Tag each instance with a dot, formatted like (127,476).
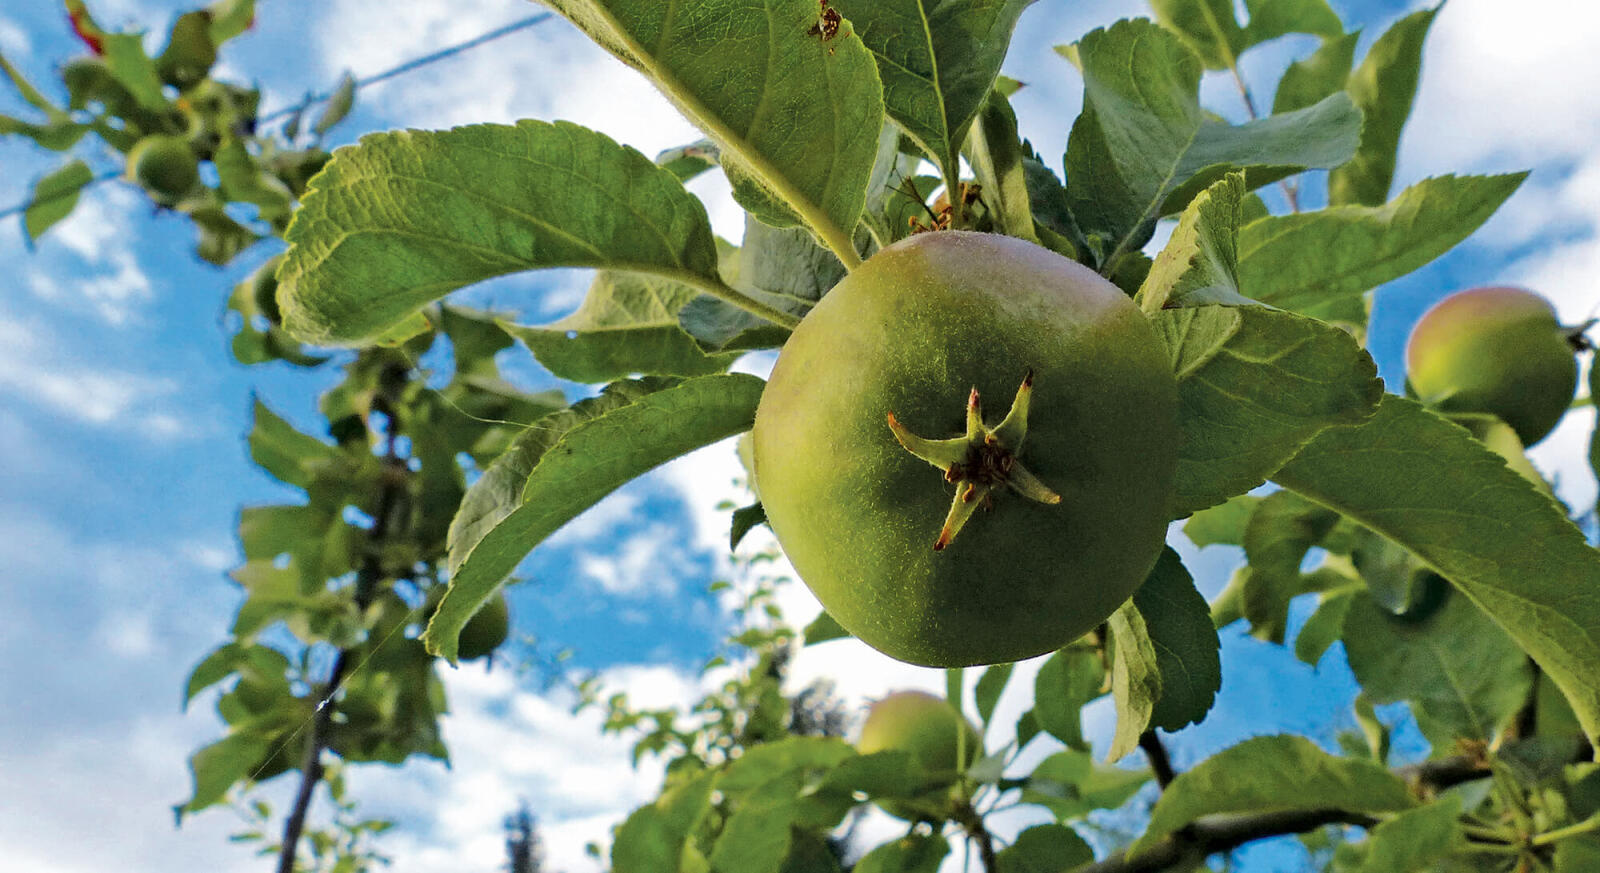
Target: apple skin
(908,336)
(1495,350)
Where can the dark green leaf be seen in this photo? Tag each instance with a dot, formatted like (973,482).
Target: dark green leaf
(1270,19)
(937,62)
(1049,848)
(822,629)
(243,181)
(653,837)
(1248,404)
(781,267)
(1463,675)
(1200,263)
(1143,147)
(1416,839)
(1179,624)
(796,117)
(1383,87)
(1071,678)
(1317,77)
(1577,855)
(745,518)
(407,217)
(221,237)
(1273,773)
(566,463)
(997,157)
(990,685)
(913,853)
(54,197)
(1429,486)
(1319,263)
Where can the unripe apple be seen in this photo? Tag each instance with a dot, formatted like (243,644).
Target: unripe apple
(1499,351)
(165,166)
(941,742)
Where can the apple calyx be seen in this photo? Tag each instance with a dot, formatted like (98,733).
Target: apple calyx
(980,461)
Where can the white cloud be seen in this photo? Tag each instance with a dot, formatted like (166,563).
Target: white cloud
(650,563)
(99,232)
(14,40)
(32,366)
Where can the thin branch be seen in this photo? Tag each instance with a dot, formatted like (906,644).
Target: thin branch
(972,823)
(1220,833)
(1290,192)
(1156,752)
(367,580)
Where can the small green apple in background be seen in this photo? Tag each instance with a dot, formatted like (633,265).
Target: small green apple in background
(940,741)
(165,166)
(1038,521)
(1499,351)
(485,631)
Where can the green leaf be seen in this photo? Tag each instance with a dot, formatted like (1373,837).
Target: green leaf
(54,197)
(796,116)
(243,181)
(1416,839)
(1429,486)
(1071,785)
(1325,626)
(1048,848)
(1577,855)
(1200,263)
(990,685)
(912,853)
(997,156)
(1185,641)
(1143,147)
(566,463)
(339,104)
(937,62)
(27,91)
(125,57)
(627,325)
(745,519)
(221,237)
(688,161)
(1211,28)
(1319,263)
(652,838)
(218,766)
(1249,401)
(1317,77)
(1284,527)
(406,217)
(1273,774)
(1384,87)
(1463,675)
(1066,682)
(822,629)
(782,267)
(290,456)
(1135,678)
(229,18)
(1223,524)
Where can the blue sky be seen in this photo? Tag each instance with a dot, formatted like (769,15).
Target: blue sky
(122,421)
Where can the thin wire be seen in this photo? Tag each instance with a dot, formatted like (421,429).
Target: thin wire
(416,63)
(375,78)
